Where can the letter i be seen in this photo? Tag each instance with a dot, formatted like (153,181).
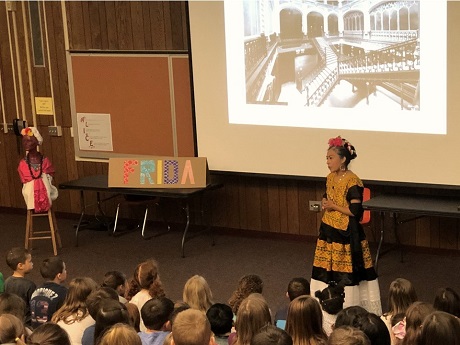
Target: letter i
(159,172)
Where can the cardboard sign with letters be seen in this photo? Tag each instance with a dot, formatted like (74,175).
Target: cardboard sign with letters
(158,172)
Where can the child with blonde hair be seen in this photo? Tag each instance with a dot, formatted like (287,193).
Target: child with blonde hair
(253,314)
(121,334)
(145,285)
(197,293)
(74,316)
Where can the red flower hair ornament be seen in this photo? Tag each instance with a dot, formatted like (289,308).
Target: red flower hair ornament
(338,141)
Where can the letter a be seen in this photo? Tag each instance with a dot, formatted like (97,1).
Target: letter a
(188,171)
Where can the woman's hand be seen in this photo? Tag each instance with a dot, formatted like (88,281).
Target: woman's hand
(328,205)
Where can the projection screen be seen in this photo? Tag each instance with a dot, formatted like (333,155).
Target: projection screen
(273,80)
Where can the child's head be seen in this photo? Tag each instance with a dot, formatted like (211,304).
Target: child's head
(440,328)
(349,315)
(134,315)
(155,313)
(271,335)
(53,268)
(197,293)
(146,276)
(415,315)
(331,298)
(11,328)
(375,329)
(305,319)
(147,273)
(248,284)
(347,335)
(191,327)
(95,298)
(447,300)
(298,287)
(49,334)
(19,259)
(220,317)
(253,313)
(110,313)
(115,280)
(400,296)
(75,300)
(120,334)
(11,303)
(178,308)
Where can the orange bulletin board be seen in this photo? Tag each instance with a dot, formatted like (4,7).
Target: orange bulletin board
(147,96)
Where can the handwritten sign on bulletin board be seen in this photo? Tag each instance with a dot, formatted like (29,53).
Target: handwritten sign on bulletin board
(94,132)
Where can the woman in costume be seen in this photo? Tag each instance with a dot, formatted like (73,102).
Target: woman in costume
(342,252)
(36,173)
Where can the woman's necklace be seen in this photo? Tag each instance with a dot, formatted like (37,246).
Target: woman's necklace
(341,176)
(36,167)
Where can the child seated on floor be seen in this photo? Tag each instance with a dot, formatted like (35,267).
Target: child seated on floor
(19,260)
(297,287)
(49,296)
(145,285)
(155,314)
(331,300)
(117,281)
(220,317)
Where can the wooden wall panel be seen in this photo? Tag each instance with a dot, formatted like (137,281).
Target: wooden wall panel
(260,204)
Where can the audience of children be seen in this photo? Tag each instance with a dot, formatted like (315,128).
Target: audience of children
(197,293)
(156,313)
(248,284)
(144,285)
(220,317)
(92,315)
(49,296)
(331,300)
(19,260)
(305,321)
(297,287)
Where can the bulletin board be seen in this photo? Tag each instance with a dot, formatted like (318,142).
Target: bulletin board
(147,98)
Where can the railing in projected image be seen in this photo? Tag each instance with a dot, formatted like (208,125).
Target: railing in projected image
(398,57)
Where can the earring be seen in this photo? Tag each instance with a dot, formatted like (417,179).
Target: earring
(342,167)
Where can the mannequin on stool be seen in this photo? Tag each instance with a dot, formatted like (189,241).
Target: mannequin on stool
(36,173)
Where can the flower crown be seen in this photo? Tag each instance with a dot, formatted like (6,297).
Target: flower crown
(339,141)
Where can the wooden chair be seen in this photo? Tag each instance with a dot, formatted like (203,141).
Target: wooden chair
(34,234)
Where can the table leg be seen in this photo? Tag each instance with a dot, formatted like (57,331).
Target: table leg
(382,230)
(83,207)
(187,224)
